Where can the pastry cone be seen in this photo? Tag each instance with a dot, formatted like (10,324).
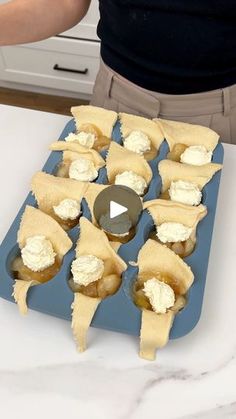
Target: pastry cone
(188,134)
(163,211)
(73,151)
(154,258)
(120,159)
(131,123)
(199,175)
(50,190)
(102,118)
(94,242)
(34,222)
(91,194)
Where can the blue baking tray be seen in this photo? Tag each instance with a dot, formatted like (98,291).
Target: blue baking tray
(117,312)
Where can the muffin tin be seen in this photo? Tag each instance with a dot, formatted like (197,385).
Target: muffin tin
(117,312)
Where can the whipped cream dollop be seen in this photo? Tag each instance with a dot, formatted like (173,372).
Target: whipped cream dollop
(38,253)
(173,232)
(86,269)
(84,138)
(68,209)
(185,192)
(196,155)
(83,170)
(160,295)
(138,142)
(132,180)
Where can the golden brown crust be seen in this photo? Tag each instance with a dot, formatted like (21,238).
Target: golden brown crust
(131,123)
(102,118)
(119,159)
(199,175)
(189,134)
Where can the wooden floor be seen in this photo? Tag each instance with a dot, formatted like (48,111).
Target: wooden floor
(47,103)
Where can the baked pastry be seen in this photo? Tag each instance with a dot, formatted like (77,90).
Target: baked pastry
(162,283)
(43,244)
(59,197)
(141,135)
(79,163)
(96,274)
(183,182)
(96,122)
(176,224)
(125,167)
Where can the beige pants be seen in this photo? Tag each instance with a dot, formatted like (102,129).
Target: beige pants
(214,109)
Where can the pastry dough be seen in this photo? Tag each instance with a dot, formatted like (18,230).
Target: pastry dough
(20,290)
(161,324)
(50,190)
(73,151)
(131,123)
(120,159)
(91,194)
(83,310)
(154,258)
(34,222)
(94,242)
(163,211)
(182,133)
(199,175)
(102,118)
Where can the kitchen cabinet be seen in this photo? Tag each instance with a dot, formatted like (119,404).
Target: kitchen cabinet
(66,64)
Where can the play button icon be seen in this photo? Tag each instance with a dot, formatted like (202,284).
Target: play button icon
(117,209)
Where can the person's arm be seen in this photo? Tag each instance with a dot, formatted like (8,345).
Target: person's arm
(23,21)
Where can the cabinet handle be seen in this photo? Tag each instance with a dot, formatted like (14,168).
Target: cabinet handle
(70,70)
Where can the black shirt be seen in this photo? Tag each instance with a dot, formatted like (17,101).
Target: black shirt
(170,46)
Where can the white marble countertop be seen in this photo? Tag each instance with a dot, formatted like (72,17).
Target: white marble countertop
(42,375)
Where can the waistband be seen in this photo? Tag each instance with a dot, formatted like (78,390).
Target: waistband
(214,101)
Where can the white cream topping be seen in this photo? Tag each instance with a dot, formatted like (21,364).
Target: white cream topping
(196,155)
(38,253)
(86,269)
(84,138)
(138,142)
(68,209)
(173,232)
(132,180)
(185,192)
(160,295)
(83,170)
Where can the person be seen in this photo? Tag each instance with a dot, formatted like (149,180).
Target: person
(173,59)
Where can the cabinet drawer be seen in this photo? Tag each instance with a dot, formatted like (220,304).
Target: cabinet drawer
(55,63)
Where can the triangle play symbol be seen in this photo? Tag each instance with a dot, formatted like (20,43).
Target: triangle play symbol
(116,209)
